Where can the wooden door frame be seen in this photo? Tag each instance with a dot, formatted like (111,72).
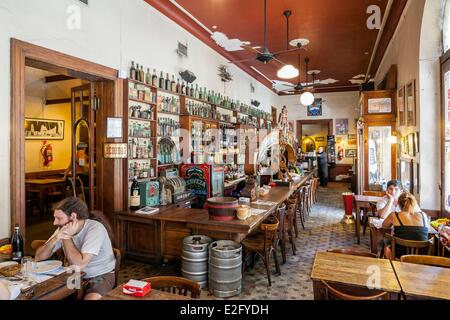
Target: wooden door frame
(26,54)
(300,123)
(391,122)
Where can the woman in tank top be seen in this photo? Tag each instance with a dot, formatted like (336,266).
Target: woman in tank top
(409,224)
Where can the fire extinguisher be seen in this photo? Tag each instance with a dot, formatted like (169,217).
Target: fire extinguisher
(47,153)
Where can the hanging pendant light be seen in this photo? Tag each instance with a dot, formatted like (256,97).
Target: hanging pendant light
(288,72)
(307,98)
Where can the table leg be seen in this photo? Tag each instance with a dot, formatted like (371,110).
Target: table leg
(358,221)
(318,290)
(41,201)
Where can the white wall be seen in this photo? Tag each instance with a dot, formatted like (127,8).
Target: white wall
(113,32)
(338,105)
(415,49)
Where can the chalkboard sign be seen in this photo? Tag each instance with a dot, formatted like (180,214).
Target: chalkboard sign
(331,149)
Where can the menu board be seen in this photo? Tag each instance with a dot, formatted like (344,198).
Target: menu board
(331,149)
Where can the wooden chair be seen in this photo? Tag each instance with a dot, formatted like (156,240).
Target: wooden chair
(374,214)
(263,245)
(412,247)
(295,199)
(118,256)
(352,252)
(176,285)
(374,193)
(289,224)
(333,293)
(427,260)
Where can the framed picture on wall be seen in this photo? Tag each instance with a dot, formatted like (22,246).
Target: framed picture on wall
(319,139)
(410,95)
(406,175)
(416,179)
(417,142)
(401,106)
(315,110)
(380,105)
(341,126)
(411,144)
(44,129)
(350,153)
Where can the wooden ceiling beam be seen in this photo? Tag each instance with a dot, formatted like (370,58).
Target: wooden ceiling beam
(58,78)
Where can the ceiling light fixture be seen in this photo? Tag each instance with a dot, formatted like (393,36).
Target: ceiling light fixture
(307,98)
(288,71)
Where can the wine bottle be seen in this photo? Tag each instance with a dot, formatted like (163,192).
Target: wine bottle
(161,81)
(136,77)
(132,71)
(154,78)
(173,84)
(183,88)
(148,77)
(167,84)
(178,88)
(141,74)
(17,245)
(135,195)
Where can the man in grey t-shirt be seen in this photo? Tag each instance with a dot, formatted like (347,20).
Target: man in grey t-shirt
(85,243)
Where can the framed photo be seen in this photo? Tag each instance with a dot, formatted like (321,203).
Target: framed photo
(411,144)
(319,139)
(417,142)
(341,126)
(352,142)
(405,145)
(339,140)
(315,110)
(416,179)
(350,153)
(352,137)
(401,106)
(113,128)
(410,95)
(380,105)
(406,175)
(44,129)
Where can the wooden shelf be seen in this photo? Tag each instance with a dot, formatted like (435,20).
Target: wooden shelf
(144,179)
(168,112)
(139,119)
(148,138)
(140,159)
(142,83)
(142,101)
(166,165)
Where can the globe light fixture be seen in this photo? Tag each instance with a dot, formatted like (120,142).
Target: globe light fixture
(307,98)
(288,72)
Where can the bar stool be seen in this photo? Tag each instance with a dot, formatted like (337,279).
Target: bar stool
(263,245)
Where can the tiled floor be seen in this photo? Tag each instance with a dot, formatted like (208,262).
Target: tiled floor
(324,230)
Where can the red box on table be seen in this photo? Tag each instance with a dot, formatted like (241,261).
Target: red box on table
(136,288)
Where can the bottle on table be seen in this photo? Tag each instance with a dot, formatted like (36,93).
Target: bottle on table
(135,195)
(17,245)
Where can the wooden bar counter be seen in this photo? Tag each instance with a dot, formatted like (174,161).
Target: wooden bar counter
(158,238)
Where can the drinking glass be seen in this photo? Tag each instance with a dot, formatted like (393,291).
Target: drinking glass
(28,267)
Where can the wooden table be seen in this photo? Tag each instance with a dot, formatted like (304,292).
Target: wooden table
(421,281)
(117,294)
(351,270)
(52,289)
(158,238)
(42,185)
(362,202)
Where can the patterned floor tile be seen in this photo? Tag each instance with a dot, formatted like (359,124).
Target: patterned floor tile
(323,231)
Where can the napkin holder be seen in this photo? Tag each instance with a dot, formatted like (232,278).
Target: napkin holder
(136,288)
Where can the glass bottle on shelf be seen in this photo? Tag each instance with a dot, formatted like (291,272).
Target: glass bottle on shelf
(135,195)
(183,88)
(141,74)
(161,81)
(167,82)
(173,84)
(154,78)
(178,88)
(132,71)
(148,77)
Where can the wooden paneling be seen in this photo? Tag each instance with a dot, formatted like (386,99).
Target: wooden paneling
(339,169)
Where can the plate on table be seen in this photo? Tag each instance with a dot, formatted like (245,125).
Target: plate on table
(47,266)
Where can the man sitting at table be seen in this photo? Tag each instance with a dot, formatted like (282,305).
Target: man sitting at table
(85,240)
(389,203)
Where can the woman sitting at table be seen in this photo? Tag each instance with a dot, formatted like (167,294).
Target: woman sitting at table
(409,224)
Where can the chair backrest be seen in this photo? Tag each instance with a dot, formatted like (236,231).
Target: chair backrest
(352,252)
(427,260)
(411,247)
(270,228)
(332,293)
(176,285)
(118,256)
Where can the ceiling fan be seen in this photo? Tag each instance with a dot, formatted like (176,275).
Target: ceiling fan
(301,87)
(265,56)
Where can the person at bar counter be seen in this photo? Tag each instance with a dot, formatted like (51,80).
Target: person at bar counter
(409,224)
(322,160)
(86,242)
(389,203)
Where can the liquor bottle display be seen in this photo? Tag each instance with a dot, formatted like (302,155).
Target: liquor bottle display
(167,127)
(169,104)
(154,78)
(135,195)
(133,71)
(17,244)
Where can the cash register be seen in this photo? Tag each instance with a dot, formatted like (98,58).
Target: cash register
(175,186)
